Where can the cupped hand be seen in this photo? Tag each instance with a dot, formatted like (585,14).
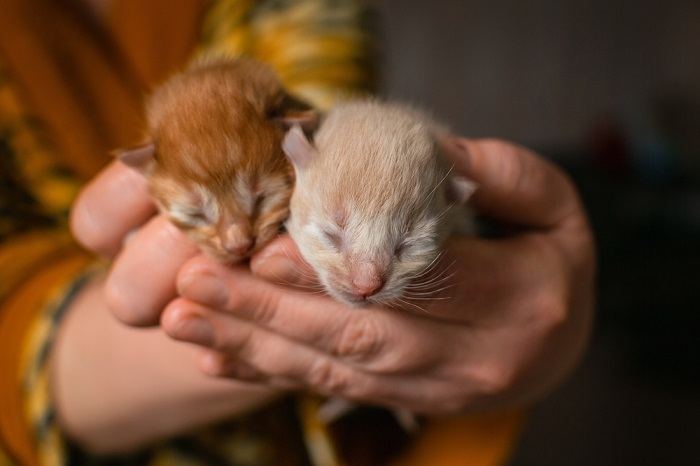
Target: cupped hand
(512,323)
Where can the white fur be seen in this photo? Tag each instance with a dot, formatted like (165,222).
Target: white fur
(379,163)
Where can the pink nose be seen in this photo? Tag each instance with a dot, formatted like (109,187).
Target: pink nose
(236,241)
(366,280)
(240,248)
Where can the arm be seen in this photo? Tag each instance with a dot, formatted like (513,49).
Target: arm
(117,388)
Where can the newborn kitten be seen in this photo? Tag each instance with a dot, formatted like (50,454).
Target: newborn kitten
(213,158)
(374,200)
(373,203)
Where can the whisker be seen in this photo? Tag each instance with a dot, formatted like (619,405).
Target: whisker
(413,305)
(433,284)
(430,281)
(429,292)
(302,273)
(430,194)
(430,266)
(428,298)
(308,288)
(389,303)
(445,211)
(434,266)
(438,280)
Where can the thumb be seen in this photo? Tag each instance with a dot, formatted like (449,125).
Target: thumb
(515,184)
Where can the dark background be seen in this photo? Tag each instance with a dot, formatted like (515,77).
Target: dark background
(610,90)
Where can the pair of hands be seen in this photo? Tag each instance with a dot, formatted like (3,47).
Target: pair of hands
(512,323)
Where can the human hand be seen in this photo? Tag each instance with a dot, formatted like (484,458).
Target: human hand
(513,324)
(141,280)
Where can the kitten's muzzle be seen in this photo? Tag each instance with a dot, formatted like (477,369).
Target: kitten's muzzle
(237,241)
(366,279)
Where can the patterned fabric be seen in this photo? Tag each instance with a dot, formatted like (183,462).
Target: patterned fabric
(320,48)
(34,192)
(35,383)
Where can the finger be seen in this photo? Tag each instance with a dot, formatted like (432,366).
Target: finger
(218,364)
(483,283)
(111,205)
(280,262)
(279,359)
(361,336)
(265,352)
(142,279)
(514,184)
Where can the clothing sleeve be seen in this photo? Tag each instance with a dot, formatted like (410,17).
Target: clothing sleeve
(39,265)
(322,49)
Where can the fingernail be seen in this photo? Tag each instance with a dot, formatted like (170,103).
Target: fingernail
(277,268)
(204,288)
(196,330)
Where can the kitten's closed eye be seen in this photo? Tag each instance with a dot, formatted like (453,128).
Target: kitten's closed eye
(258,204)
(334,239)
(188,215)
(400,248)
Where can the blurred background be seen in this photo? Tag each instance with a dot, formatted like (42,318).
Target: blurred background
(610,90)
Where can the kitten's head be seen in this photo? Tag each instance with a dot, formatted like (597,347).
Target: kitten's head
(372,204)
(213,160)
(229,213)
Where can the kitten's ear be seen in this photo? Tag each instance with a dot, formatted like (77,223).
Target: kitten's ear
(460,189)
(298,148)
(292,111)
(140,158)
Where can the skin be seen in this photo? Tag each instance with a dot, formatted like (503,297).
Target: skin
(516,324)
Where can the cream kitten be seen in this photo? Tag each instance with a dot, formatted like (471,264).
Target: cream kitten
(374,200)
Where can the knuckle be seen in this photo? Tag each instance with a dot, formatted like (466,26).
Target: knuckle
(328,377)
(359,338)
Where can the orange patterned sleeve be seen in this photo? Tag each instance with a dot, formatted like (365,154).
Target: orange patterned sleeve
(39,271)
(38,263)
